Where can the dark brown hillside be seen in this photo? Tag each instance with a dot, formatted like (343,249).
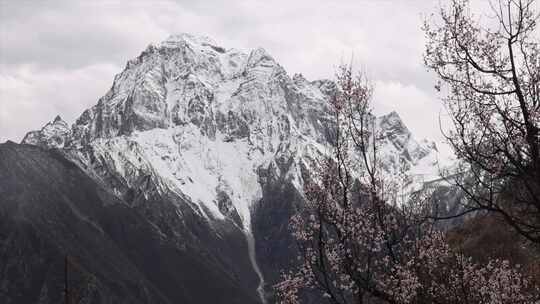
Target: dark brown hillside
(486,237)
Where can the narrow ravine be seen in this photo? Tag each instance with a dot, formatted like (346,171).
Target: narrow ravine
(253,258)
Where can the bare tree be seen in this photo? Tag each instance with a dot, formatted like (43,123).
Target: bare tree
(489,71)
(356,247)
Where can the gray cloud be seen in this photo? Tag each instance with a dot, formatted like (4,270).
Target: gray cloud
(59,57)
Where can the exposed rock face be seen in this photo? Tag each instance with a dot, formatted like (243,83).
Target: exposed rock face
(196,136)
(53,135)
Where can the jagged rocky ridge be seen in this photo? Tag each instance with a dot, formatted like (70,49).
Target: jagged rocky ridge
(53,135)
(227,135)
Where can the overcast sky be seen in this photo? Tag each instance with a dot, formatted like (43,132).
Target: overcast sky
(59,57)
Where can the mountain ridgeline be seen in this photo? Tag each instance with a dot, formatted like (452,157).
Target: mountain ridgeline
(178,185)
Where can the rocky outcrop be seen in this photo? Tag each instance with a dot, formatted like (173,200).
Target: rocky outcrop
(54,134)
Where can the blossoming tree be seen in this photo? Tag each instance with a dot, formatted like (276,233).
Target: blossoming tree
(489,75)
(357,246)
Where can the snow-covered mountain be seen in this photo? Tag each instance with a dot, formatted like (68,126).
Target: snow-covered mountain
(217,130)
(201,119)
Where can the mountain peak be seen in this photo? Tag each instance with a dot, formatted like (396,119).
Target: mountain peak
(259,55)
(176,40)
(187,37)
(53,134)
(392,121)
(299,78)
(57,119)
(393,114)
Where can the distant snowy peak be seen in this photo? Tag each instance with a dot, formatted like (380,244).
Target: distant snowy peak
(395,132)
(53,135)
(392,120)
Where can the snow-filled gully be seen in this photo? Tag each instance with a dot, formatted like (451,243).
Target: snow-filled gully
(253,258)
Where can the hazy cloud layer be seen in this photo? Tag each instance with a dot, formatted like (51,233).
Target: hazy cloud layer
(59,57)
